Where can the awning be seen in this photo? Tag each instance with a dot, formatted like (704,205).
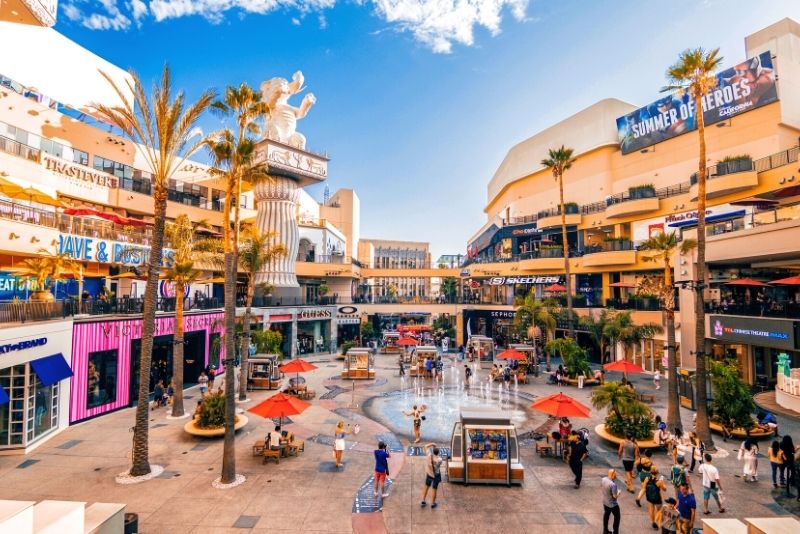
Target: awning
(709,219)
(51,369)
(3,396)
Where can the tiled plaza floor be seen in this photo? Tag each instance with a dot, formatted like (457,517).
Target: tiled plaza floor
(307,494)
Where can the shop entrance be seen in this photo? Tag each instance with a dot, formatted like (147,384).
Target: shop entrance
(285,330)
(194,350)
(313,336)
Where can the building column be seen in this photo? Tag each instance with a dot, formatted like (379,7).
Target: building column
(276,199)
(293,337)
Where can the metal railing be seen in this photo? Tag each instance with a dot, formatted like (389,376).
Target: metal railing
(15,148)
(637,304)
(609,246)
(22,311)
(775,309)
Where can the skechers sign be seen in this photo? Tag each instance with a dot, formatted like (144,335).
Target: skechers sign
(509,280)
(22,345)
(746,86)
(105,251)
(754,331)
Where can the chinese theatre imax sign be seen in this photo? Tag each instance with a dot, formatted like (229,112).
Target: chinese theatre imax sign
(776,333)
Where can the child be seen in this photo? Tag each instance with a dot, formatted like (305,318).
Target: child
(381,469)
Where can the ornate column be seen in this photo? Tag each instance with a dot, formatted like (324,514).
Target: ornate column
(275,202)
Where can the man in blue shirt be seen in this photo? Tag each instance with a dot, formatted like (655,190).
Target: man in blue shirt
(381,468)
(687,507)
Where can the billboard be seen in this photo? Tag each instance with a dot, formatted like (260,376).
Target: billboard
(746,86)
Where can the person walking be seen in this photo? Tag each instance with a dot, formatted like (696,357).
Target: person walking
(644,467)
(687,508)
(669,516)
(789,450)
(211,372)
(711,484)
(439,369)
(433,474)
(467,375)
(678,474)
(628,452)
(576,454)
(401,363)
(381,469)
(776,462)
(416,416)
(202,381)
(748,453)
(657,380)
(653,486)
(610,501)
(338,441)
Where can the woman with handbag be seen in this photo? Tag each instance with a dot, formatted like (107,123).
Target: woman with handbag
(338,442)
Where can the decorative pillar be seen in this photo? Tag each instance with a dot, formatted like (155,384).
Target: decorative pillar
(275,204)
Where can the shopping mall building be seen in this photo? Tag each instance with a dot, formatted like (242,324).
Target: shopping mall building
(635,176)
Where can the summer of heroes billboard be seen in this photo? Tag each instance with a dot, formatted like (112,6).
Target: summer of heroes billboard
(746,86)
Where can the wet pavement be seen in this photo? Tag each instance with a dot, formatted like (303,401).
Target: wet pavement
(309,494)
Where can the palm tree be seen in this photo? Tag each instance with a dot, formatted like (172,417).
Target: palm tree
(615,396)
(255,251)
(449,288)
(662,246)
(48,268)
(693,74)
(621,329)
(559,161)
(597,329)
(533,313)
(180,235)
(233,155)
(163,126)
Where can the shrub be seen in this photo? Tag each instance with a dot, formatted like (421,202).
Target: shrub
(572,355)
(347,345)
(267,341)
(640,427)
(212,411)
(732,403)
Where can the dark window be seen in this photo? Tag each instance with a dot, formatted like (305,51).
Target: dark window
(102,382)
(80,157)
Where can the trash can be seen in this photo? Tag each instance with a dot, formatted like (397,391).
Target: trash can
(131,523)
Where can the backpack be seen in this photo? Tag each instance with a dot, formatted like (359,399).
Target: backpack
(678,476)
(652,491)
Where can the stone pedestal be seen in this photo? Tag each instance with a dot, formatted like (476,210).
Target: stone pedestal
(276,200)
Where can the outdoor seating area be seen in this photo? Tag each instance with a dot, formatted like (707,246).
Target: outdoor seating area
(288,446)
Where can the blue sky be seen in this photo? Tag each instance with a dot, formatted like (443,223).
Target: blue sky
(419,100)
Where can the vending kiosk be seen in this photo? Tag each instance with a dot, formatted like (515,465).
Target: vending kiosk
(359,364)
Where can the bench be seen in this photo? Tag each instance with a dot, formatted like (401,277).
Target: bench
(647,397)
(544,449)
(271,454)
(294,446)
(772,525)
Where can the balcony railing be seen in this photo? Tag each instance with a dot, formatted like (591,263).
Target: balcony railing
(9,146)
(335,259)
(71,224)
(610,246)
(779,309)
(22,311)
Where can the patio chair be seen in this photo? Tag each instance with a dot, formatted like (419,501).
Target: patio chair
(269,453)
(294,446)
(258,447)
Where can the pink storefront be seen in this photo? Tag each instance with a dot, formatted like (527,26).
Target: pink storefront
(105,359)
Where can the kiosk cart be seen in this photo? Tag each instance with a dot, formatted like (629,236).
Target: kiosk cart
(389,345)
(359,364)
(484,350)
(485,449)
(531,361)
(263,372)
(417,366)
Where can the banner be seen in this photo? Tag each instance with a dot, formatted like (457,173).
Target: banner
(746,86)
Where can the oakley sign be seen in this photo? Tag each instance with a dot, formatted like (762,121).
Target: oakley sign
(508,280)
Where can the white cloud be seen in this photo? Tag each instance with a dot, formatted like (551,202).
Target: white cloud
(438,24)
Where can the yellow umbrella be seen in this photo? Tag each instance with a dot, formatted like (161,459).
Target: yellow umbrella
(126,275)
(16,191)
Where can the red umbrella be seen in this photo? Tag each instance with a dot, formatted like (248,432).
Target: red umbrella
(555,288)
(791,281)
(511,354)
(623,366)
(280,405)
(560,405)
(297,366)
(406,342)
(748,282)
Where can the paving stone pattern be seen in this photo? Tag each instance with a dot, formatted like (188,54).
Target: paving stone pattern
(391,441)
(366,501)
(69,444)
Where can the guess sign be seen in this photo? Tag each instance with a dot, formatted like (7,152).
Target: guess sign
(307,315)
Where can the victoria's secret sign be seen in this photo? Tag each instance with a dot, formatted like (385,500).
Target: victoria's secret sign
(79,172)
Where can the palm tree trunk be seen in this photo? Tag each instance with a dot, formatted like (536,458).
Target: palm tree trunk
(229,445)
(141,462)
(565,248)
(703,429)
(246,337)
(177,352)
(673,403)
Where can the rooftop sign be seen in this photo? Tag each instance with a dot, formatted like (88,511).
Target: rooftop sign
(746,86)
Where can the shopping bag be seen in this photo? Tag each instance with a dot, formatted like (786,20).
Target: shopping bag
(721,498)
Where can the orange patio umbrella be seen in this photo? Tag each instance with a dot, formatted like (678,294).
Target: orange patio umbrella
(623,366)
(555,288)
(280,405)
(560,405)
(747,282)
(511,354)
(406,342)
(791,281)
(297,366)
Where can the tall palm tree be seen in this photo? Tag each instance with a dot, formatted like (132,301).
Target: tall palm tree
(693,74)
(163,126)
(621,330)
(661,247)
(255,252)
(180,236)
(559,161)
(596,326)
(532,313)
(615,396)
(233,155)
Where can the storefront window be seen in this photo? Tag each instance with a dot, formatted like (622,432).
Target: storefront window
(102,373)
(42,408)
(32,410)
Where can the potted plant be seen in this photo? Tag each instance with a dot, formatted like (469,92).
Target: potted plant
(570,208)
(572,356)
(642,191)
(736,163)
(46,270)
(210,422)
